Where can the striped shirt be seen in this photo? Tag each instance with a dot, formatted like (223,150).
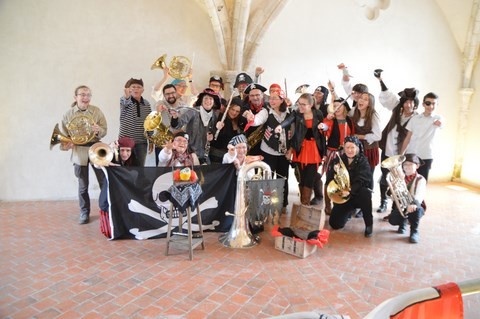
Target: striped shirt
(132,116)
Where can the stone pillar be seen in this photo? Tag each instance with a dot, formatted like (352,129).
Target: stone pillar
(466,95)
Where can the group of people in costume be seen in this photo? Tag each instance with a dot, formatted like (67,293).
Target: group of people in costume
(314,135)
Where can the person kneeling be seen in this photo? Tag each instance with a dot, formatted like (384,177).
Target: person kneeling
(416,185)
(359,195)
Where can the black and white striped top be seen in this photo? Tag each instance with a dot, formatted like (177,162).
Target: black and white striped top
(132,116)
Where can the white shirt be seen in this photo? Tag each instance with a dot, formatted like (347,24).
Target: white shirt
(423,134)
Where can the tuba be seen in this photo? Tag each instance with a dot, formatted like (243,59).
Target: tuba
(80,131)
(179,66)
(162,134)
(240,235)
(100,154)
(339,183)
(396,183)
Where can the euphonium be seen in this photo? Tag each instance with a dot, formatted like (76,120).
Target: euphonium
(179,66)
(100,154)
(240,235)
(396,183)
(162,134)
(80,131)
(339,184)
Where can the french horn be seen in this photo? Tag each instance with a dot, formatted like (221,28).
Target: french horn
(162,133)
(80,131)
(179,66)
(100,154)
(339,184)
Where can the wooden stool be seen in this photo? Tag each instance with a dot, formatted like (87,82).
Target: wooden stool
(181,240)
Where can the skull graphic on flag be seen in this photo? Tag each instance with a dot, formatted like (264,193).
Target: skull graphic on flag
(265,198)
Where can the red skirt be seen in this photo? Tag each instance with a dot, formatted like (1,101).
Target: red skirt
(308,154)
(373,156)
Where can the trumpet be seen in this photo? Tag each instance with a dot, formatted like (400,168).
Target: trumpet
(179,66)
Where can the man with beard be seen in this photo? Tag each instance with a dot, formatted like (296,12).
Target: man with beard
(170,101)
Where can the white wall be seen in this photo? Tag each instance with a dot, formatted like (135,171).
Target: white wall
(50,47)
(415,48)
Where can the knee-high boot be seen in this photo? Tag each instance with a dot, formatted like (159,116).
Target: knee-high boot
(317,190)
(305,195)
(327,201)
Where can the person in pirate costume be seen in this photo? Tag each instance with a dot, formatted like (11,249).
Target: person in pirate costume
(233,125)
(216,84)
(274,146)
(395,132)
(199,123)
(417,186)
(356,91)
(367,128)
(251,107)
(241,82)
(176,153)
(125,157)
(134,109)
(307,143)
(359,195)
(336,129)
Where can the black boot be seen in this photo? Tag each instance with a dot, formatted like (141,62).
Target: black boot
(368,231)
(317,190)
(402,228)
(383,199)
(414,235)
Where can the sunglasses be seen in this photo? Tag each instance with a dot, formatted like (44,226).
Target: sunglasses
(428,103)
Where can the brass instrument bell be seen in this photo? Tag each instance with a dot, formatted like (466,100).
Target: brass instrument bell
(100,154)
(179,66)
(160,63)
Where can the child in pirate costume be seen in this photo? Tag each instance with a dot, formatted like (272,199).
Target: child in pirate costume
(417,186)
(176,153)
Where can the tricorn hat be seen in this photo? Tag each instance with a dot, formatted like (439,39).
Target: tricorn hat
(242,78)
(254,86)
(409,94)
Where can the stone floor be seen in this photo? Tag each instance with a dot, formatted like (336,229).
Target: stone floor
(51,267)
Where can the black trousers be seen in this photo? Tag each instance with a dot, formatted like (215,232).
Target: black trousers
(395,218)
(341,212)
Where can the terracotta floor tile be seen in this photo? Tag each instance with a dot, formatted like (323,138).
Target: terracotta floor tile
(51,267)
